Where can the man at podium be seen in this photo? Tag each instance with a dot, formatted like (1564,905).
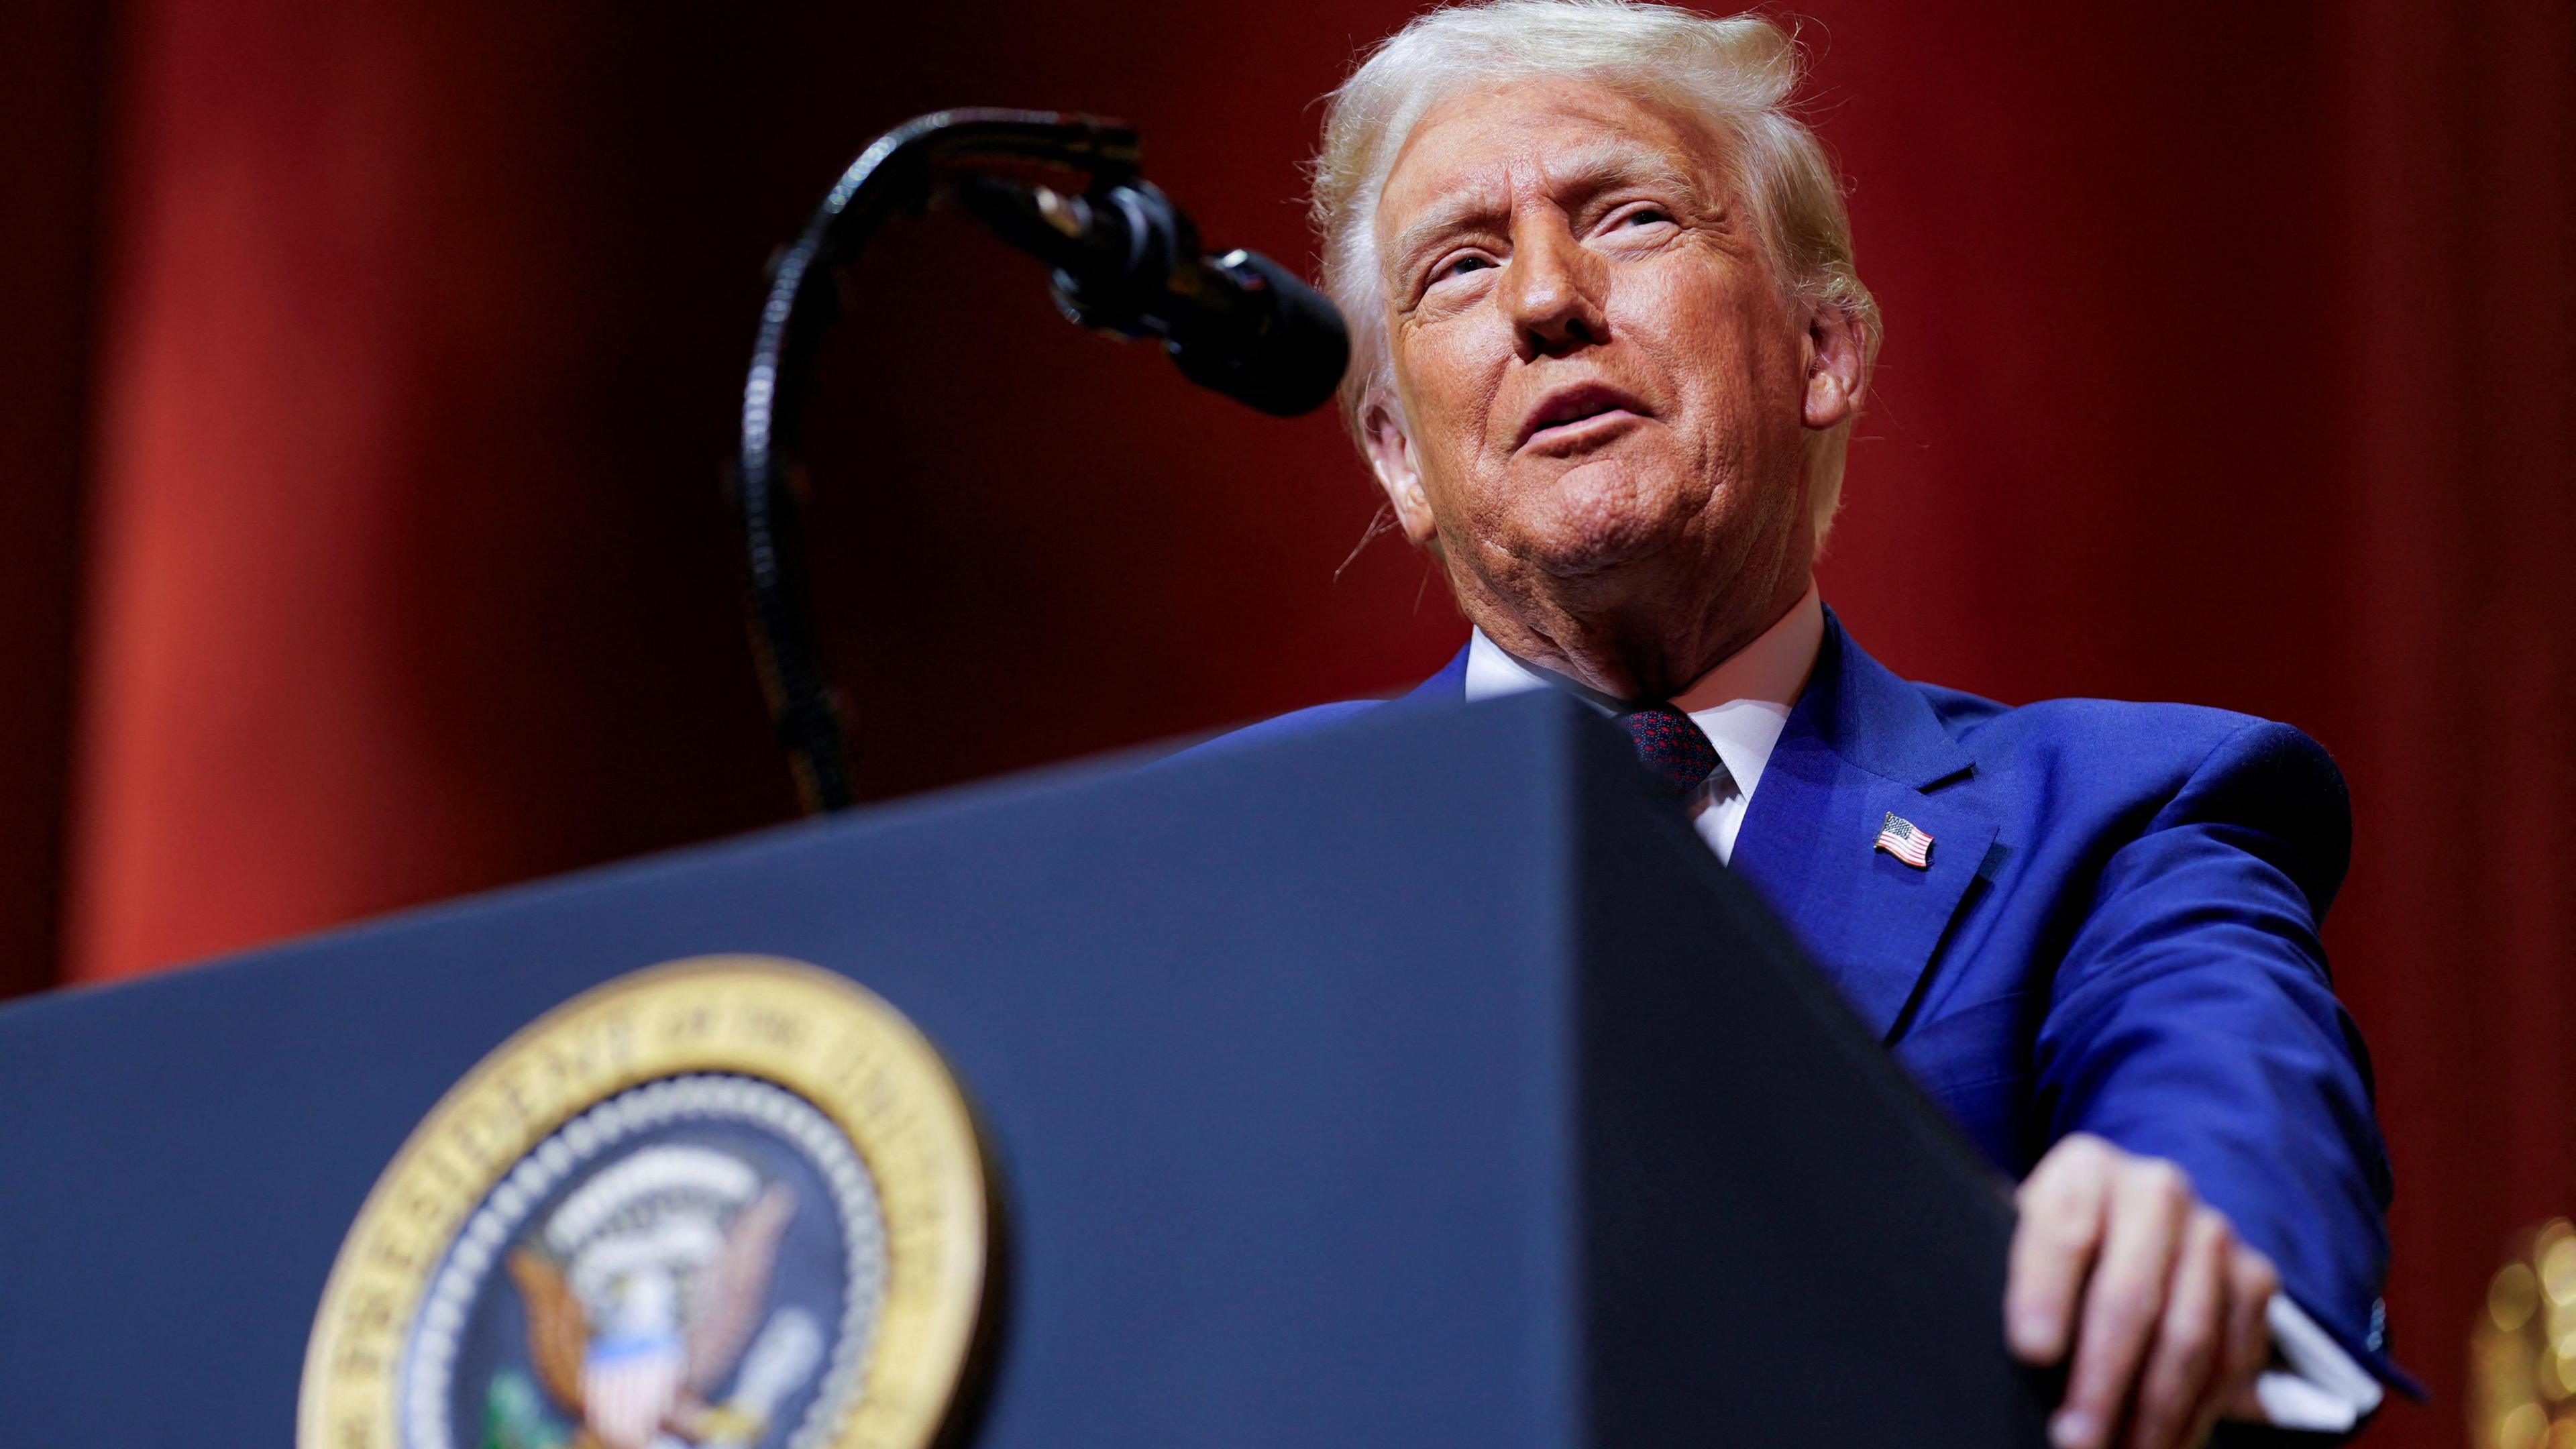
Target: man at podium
(1609,344)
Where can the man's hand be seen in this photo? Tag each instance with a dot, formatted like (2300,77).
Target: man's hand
(2165,1308)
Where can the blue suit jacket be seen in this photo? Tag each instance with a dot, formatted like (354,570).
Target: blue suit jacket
(2117,934)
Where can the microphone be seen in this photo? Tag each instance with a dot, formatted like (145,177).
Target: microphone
(1127,262)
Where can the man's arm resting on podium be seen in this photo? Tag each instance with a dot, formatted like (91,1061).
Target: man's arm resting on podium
(2216,1187)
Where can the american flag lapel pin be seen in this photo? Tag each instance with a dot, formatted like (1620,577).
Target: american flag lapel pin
(1899,838)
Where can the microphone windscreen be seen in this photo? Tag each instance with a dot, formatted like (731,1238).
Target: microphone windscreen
(1292,364)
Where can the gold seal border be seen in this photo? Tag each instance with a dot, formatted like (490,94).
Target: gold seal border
(815,1033)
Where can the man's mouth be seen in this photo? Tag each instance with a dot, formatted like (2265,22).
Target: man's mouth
(1577,414)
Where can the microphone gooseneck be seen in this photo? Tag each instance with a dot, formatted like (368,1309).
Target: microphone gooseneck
(1127,262)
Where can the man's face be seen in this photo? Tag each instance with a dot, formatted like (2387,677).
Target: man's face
(1604,393)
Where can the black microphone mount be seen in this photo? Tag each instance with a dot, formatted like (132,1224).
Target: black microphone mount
(1127,262)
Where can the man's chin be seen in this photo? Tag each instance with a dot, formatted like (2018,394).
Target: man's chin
(1595,518)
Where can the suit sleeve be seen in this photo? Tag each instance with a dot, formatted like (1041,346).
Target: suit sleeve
(2193,1019)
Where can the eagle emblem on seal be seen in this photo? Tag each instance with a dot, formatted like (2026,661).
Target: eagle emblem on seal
(644,1293)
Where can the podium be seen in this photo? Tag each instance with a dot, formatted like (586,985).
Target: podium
(1418,1081)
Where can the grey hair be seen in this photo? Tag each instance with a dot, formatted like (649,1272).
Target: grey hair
(1735,75)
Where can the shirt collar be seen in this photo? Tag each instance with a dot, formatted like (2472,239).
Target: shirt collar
(1741,705)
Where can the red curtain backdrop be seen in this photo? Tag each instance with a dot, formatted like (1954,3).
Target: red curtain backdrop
(2231,358)
(51,69)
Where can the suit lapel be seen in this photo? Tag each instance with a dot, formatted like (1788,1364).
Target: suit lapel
(1861,745)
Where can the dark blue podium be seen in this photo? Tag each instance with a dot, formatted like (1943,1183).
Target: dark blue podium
(1419,1082)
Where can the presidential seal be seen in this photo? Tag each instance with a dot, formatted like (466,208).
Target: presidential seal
(731,1202)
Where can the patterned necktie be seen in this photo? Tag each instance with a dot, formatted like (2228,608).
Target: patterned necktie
(1676,754)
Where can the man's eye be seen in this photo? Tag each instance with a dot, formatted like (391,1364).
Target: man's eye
(1642,216)
(1459,266)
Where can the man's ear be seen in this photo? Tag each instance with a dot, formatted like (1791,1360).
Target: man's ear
(1391,458)
(1837,349)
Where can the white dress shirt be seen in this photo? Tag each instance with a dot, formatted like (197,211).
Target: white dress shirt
(1742,705)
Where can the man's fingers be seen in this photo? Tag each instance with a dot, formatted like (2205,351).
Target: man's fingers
(2149,1202)
(2174,1394)
(2053,1246)
(2252,1280)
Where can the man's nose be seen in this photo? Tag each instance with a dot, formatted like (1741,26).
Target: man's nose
(1555,290)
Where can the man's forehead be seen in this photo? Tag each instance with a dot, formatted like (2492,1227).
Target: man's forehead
(1478,147)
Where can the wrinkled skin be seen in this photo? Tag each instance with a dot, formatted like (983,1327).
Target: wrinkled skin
(1548,237)
(1551,234)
